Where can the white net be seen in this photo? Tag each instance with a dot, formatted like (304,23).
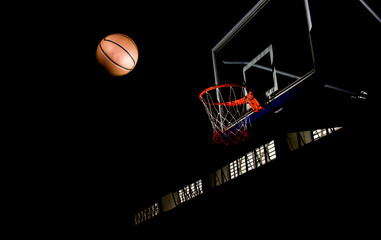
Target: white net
(228,106)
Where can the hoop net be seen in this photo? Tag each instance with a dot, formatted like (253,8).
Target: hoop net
(228,106)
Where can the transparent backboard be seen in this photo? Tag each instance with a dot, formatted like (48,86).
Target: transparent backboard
(280,49)
(269,50)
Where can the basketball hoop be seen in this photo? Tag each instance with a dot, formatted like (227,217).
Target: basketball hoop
(228,106)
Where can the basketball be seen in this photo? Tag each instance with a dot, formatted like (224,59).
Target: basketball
(117,54)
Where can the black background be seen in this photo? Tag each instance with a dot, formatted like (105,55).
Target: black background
(120,142)
(105,147)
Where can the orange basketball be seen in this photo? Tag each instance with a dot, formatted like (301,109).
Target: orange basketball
(118,54)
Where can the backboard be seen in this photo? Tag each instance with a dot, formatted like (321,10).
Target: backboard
(282,49)
(269,50)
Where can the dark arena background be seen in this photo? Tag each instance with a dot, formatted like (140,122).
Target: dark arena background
(135,156)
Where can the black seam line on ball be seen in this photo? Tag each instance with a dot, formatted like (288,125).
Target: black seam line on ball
(112,60)
(121,48)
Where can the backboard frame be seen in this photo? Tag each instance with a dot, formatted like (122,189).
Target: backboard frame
(274,96)
(252,63)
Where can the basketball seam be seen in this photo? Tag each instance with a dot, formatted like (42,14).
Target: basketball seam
(132,41)
(100,46)
(121,48)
